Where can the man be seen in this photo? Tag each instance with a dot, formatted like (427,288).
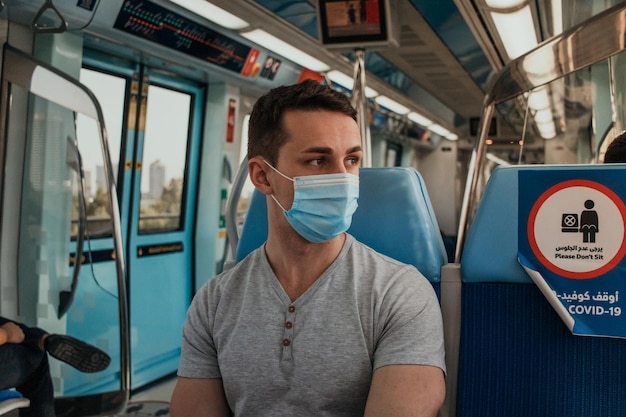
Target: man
(313,323)
(24,363)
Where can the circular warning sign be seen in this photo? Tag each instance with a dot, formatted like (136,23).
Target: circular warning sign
(576,229)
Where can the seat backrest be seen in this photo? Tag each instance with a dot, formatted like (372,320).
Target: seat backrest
(517,356)
(394,217)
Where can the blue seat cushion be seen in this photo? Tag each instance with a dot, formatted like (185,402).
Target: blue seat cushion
(517,359)
(394,217)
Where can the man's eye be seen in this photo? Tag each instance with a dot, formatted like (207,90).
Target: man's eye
(353,161)
(316,162)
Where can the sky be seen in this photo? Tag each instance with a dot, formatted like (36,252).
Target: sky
(166,127)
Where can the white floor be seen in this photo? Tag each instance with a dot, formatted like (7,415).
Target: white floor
(161,392)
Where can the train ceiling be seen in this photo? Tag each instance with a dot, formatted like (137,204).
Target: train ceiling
(447,48)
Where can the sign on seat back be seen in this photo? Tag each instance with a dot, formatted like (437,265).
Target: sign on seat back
(394,217)
(518,355)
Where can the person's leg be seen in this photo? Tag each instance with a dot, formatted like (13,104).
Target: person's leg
(80,355)
(32,335)
(26,369)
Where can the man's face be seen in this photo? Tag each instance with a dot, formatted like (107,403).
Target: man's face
(319,142)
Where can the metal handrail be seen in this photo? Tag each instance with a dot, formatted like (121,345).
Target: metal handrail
(592,41)
(231,208)
(44,80)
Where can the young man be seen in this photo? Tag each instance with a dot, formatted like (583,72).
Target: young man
(313,323)
(24,363)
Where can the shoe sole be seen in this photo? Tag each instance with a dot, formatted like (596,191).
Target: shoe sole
(80,355)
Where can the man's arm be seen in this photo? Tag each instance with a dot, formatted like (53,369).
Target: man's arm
(199,397)
(406,391)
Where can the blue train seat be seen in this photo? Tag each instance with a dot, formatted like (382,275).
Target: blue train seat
(394,217)
(10,402)
(517,357)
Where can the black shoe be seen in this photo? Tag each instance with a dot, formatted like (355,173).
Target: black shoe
(80,355)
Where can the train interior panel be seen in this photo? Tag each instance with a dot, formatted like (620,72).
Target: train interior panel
(123,188)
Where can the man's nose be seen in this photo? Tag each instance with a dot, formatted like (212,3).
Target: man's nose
(339,167)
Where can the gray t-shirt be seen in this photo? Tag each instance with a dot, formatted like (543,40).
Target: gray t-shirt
(314,356)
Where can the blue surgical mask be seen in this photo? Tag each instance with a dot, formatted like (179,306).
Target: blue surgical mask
(323,205)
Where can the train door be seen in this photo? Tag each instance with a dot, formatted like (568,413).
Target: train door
(49,122)
(155,139)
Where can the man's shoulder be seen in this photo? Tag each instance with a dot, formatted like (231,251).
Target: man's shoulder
(384,271)
(238,275)
(366,254)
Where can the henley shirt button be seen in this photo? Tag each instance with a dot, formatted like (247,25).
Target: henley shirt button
(286,342)
(292,309)
(288,325)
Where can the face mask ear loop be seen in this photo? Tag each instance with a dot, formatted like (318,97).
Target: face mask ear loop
(279,205)
(282,175)
(278,172)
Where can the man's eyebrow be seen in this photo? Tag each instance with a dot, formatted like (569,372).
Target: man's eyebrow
(329,151)
(324,150)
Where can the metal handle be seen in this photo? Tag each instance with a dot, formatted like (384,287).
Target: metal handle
(45,29)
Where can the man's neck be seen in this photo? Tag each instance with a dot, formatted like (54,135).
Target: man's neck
(298,263)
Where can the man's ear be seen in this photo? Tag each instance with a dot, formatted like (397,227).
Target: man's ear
(258,175)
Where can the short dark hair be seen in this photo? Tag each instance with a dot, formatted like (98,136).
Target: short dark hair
(616,151)
(265,131)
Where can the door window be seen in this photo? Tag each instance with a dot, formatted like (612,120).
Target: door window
(163,161)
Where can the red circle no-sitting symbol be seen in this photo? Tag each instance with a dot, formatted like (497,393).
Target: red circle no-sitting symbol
(576,229)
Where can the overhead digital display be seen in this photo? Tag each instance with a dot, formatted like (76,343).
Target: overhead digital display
(157,24)
(355,24)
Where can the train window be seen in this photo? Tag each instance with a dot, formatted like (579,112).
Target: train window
(89,203)
(164,157)
(110,92)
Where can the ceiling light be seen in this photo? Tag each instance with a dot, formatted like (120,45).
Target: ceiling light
(341,79)
(543,116)
(391,105)
(540,68)
(546,130)
(280,47)
(213,13)
(504,4)
(347,82)
(441,131)
(516,31)
(452,136)
(538,99)
(419,119)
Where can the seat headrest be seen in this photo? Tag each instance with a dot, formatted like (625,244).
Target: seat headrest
(394,217)
(490,252)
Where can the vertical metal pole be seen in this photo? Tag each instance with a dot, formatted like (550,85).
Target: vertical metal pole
(521,149)
(617,123)
(470,197)
(359,102)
